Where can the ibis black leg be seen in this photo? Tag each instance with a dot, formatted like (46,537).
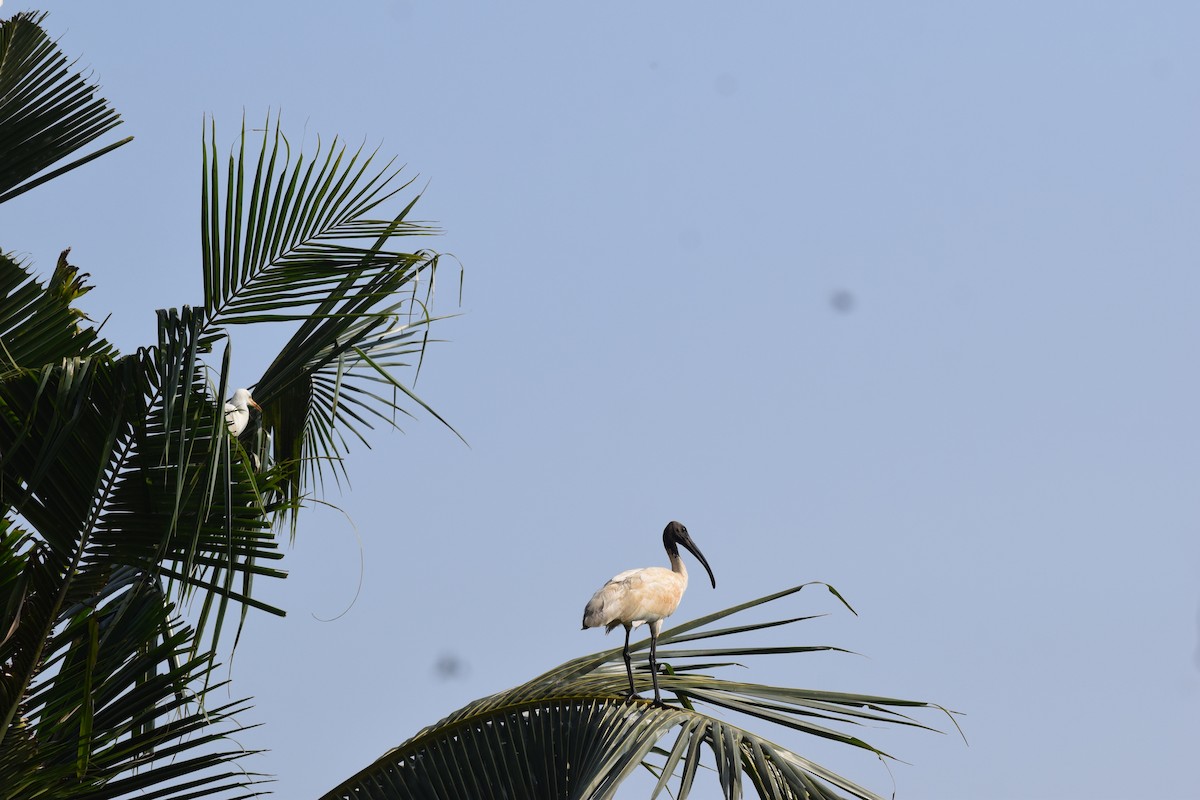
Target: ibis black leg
(654,663)
(629,664)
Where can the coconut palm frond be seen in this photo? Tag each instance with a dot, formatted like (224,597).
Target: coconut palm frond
(39,324)
(288,238)
(96,678)
(112,711)
(47,110)
(572,733)
(188,505)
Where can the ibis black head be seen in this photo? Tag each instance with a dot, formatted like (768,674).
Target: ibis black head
(676,533)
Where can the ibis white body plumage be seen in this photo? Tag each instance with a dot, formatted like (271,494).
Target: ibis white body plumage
(637,597)
(645,596)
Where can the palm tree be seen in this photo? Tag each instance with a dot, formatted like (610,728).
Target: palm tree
(571,733)
(122,493)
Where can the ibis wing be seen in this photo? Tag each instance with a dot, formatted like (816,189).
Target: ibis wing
(610,605)
(634,598)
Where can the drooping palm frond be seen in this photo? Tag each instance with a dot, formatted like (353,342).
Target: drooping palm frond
(47,111)
(287,238)
(571,733)
(348,383)
(187,505)
(114,712)
(58,433)
(26,580)
(126,476)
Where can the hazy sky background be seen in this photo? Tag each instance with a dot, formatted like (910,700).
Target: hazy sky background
(902,297)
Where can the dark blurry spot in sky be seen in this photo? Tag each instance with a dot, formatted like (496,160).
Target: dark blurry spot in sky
(449,667)
(842,301)
(726,84)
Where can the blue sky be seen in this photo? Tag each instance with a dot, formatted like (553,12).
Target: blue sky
(992,452)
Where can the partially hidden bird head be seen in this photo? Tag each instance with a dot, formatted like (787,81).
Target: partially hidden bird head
(677,533)
(241,399)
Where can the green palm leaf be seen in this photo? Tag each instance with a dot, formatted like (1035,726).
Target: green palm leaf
(61,427)
(112,713)
(186,504)
(291,241)
(47,111)
(288,238)
(38,324)
(95,677)
(571,733)
(122,491)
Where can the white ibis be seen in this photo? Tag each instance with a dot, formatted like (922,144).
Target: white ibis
(645,597)
(237,411)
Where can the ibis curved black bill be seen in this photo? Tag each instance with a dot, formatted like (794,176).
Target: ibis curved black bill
(691,546)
